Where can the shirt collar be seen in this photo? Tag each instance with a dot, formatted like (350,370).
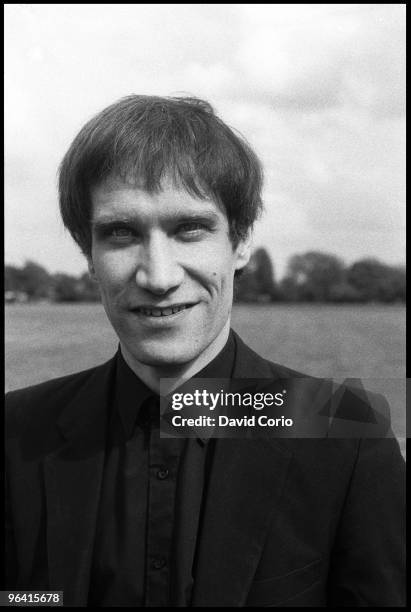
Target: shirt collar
(131,392)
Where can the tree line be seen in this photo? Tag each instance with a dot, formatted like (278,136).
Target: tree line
(320,277)
(32,282)
(310,277)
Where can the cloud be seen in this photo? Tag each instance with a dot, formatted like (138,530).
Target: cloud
(318,91)
(308,57)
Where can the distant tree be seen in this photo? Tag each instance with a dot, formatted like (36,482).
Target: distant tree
(35,280)
(88,289)
(66,288)
(344,292)
(290,290)
(264,273)
(13,278)
(395,285)
(376,281)
(256,283)
(312,276)
(245,285)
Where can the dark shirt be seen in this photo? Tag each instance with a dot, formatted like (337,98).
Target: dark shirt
(152,497)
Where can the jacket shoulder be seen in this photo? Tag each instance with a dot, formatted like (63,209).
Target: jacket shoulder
(251,364)
(353,411)
(22,404)
(256,366)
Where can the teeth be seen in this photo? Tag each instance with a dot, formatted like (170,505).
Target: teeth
(161,312)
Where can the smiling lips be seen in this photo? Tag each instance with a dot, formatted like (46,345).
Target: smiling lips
(154,311)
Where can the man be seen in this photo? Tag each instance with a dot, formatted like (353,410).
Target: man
(161,196)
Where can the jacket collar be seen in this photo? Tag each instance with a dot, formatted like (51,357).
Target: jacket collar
(131,391)
(90,402)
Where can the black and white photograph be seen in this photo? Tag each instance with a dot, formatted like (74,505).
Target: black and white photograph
(205,288)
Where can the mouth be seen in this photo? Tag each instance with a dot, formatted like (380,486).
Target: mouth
(165,311)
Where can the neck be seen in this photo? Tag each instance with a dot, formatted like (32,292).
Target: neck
(179,373)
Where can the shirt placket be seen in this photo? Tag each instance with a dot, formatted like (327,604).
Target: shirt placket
(162,468)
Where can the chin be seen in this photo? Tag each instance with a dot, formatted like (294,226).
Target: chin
(165,356)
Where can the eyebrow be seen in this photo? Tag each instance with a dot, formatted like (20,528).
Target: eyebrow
(108,220)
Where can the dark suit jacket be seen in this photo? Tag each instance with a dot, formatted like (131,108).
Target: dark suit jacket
(314,522)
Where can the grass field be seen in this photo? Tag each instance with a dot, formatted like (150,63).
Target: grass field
(368,342)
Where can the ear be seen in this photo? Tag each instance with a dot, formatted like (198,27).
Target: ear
(243,252)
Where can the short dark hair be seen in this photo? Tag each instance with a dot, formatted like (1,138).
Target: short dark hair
(146,138)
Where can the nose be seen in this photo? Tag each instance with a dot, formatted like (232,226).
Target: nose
(158,270)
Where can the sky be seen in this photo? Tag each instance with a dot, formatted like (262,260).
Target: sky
(318,90)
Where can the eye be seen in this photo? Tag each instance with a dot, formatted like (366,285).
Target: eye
(120,232)
(192,228)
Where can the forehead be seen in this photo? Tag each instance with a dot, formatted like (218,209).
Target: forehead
(115,195)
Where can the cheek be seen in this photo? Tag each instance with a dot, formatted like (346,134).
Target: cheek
(113,271)
(221,283)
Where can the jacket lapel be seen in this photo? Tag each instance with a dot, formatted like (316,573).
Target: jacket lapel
(73,476)
(246,484)
(245,487)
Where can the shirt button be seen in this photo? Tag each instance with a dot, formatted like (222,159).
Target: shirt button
(159,563)
(162,474)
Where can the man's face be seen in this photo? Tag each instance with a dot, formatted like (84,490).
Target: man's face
(165,265)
